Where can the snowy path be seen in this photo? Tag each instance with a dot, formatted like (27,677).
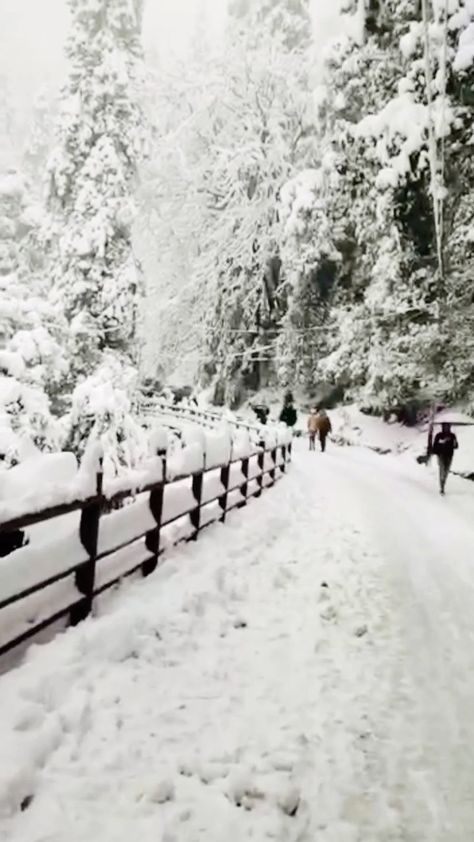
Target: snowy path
(303,674)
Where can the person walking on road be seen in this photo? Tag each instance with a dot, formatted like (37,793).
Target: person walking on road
(444,445)
(313,428)
(288,415)
(324,427)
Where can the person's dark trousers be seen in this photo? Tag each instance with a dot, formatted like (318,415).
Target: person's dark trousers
(322,438)
(444,464)
(312,438)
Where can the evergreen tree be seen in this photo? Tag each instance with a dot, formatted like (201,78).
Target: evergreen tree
(100,140)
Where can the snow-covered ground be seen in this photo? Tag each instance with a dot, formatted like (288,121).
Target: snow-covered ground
(304,672)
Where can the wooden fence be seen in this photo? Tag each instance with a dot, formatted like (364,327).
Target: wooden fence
(231,487)
(205,418)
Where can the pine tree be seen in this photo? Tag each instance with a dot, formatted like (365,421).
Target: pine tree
(92,169)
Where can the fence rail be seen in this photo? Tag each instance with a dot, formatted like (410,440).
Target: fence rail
(204,417)
(107,533)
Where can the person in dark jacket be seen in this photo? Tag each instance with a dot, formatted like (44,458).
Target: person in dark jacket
(288,415)
(262,412)
(444,445)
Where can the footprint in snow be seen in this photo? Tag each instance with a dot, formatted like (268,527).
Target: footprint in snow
(328,614)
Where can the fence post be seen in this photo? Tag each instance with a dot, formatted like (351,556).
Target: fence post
(89,535)
(244,487)
(152,538)
(195,514)
(273,454)
(283,453)
(260,462)
(225,472)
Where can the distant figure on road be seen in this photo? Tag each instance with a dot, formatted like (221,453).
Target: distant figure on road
(444,445)
(262,412)
(288,415)
(313,428)
(324,427)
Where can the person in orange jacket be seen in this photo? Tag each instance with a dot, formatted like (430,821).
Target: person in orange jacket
(312,428)
(324,427)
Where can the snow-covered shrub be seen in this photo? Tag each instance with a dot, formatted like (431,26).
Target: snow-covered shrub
(102,412)
(25,420)
(31,362)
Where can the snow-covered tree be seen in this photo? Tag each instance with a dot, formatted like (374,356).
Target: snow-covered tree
(240,127)
(392,109)
(337,250)
(32,363)
(40,139)
(311,265)
(92,171)
(263,128)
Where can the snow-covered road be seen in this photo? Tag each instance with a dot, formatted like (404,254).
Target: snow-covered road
(304,674)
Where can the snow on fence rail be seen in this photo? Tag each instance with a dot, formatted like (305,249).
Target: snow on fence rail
(96,544)
(207,418)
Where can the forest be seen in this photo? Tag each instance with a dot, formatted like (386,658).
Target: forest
(268,212)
